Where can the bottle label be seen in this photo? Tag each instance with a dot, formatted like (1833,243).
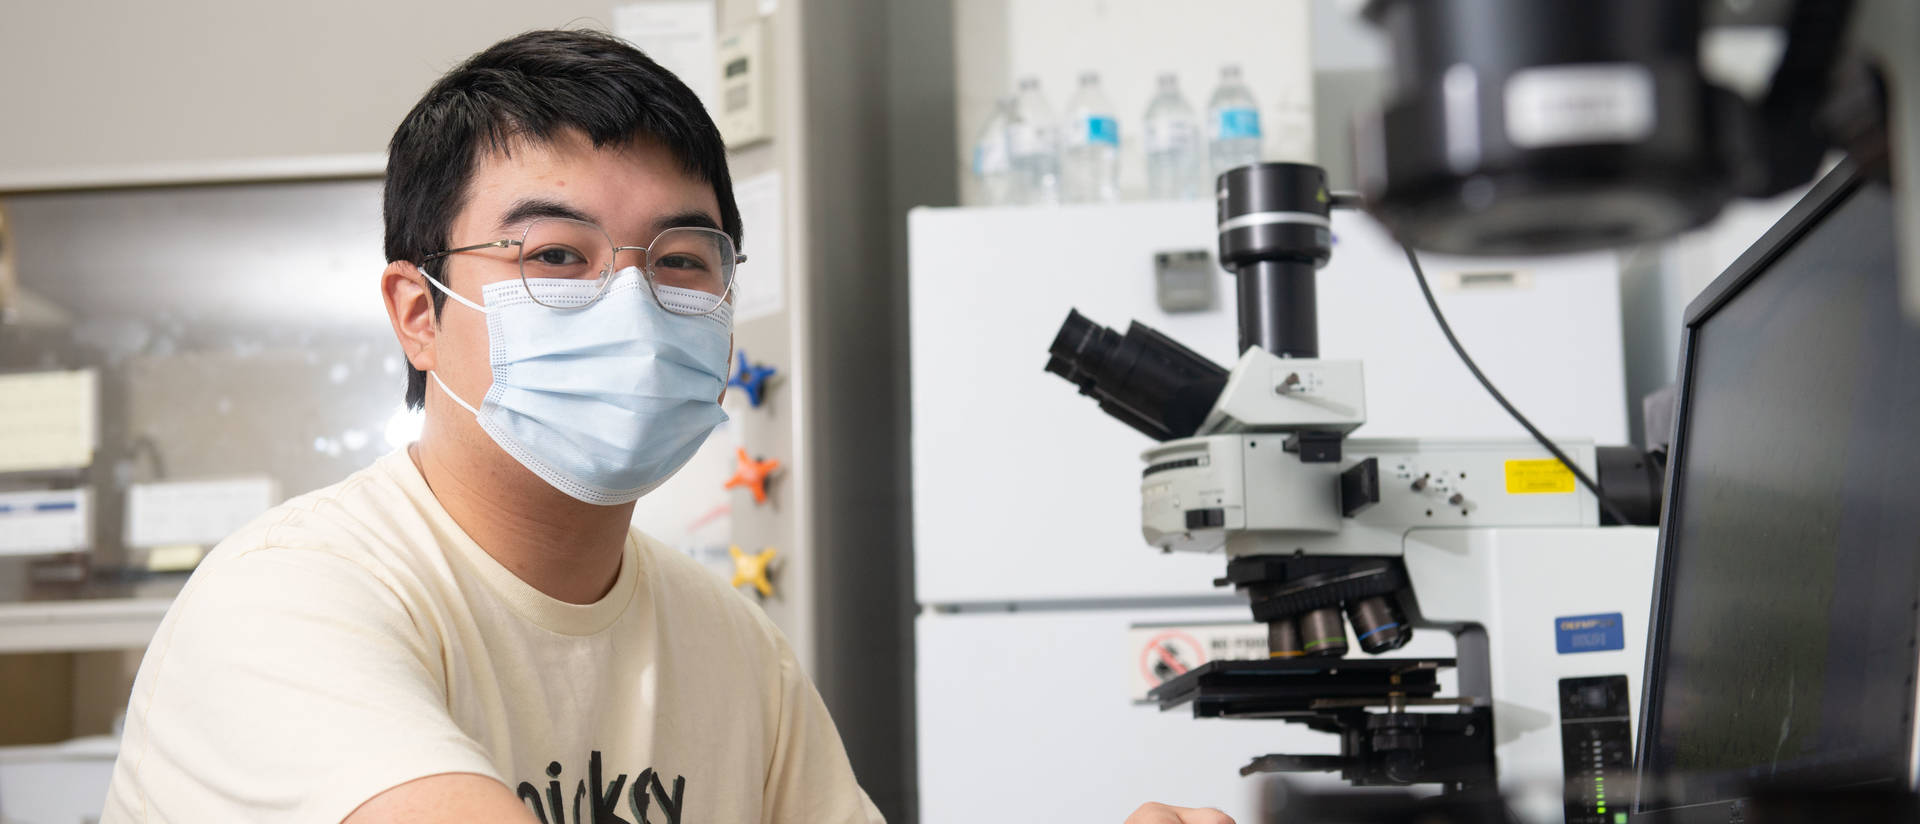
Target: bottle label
(1235,124)
(1101,129)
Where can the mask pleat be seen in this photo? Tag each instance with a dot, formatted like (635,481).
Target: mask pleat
(608,401)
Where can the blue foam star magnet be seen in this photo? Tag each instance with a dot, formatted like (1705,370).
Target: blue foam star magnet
(752,379)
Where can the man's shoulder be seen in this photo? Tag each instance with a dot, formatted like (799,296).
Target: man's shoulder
(324,558)
(366,519)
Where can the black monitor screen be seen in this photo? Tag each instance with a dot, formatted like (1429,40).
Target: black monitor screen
(1784,651)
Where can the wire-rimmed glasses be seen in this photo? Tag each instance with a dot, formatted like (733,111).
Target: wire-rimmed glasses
(694,264)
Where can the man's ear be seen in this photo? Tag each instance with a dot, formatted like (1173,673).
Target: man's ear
(409,303)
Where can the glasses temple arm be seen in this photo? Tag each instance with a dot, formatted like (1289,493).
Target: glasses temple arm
(501,244)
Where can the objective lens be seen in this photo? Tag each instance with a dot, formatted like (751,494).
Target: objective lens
(1378,624)
(1323,634)
(1283,639)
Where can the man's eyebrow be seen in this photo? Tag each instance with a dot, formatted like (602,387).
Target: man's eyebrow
(533,208)
(691,217)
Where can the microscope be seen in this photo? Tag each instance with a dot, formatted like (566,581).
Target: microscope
(1341,542)
(1510,127)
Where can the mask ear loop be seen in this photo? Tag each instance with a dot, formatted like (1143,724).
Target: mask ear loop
(449,292)
(471,305)
(450,394)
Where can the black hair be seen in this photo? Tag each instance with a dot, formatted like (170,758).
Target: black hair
(532,88)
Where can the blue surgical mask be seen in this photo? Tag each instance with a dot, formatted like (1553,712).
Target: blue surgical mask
(606,401)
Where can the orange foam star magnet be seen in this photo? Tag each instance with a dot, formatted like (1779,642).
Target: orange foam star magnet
(753,474)
(752,569)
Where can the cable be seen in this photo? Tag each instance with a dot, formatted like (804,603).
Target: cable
(1421,276)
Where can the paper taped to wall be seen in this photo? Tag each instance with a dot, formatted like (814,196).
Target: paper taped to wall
(680,35)
(47,420)
(759,285)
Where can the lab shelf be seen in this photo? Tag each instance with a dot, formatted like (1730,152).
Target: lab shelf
(80,625)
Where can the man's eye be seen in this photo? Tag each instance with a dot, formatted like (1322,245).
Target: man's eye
(681,262)
(557,256)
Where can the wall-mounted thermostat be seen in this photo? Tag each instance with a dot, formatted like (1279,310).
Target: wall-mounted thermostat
(745,112)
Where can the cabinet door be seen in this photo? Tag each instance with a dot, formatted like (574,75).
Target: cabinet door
(992,685)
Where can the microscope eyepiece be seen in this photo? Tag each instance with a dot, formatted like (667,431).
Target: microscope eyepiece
(1144,378)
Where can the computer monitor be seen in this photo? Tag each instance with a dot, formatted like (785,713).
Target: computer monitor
(1782,650)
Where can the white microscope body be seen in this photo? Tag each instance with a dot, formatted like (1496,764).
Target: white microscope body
(1495,542)
(1499,546)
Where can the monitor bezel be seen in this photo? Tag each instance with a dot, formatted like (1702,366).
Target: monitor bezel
(1828,194)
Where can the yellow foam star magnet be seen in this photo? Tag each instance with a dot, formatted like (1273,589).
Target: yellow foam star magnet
(752,569)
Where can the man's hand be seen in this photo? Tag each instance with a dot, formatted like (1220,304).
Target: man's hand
(1163,814)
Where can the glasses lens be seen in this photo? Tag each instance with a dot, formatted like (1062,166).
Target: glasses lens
(565,250)
(694,265)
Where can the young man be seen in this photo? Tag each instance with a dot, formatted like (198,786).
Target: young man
(470,630)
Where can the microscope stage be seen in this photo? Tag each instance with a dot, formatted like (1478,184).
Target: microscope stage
(1283,687)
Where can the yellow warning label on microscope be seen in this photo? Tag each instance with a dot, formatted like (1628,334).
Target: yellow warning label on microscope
(1538,476)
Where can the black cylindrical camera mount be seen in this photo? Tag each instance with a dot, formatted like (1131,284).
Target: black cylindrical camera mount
(1544,126)
(1274,234)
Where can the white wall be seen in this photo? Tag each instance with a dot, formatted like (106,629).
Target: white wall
(1129,42)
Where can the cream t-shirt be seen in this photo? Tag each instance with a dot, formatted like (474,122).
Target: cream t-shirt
(354,638)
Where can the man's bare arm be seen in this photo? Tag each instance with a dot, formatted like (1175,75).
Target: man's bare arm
(1163,814)
(444,799)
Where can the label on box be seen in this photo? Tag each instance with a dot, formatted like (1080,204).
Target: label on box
(43,522)
(195,513)
(1539,477)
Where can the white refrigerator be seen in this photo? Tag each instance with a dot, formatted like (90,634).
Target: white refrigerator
(1029,564)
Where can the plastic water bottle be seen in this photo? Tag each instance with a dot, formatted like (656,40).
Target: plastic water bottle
(1233,124)
(1090,154)
(993,156)
(1289,130)
(1034,146)
(1175,152)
